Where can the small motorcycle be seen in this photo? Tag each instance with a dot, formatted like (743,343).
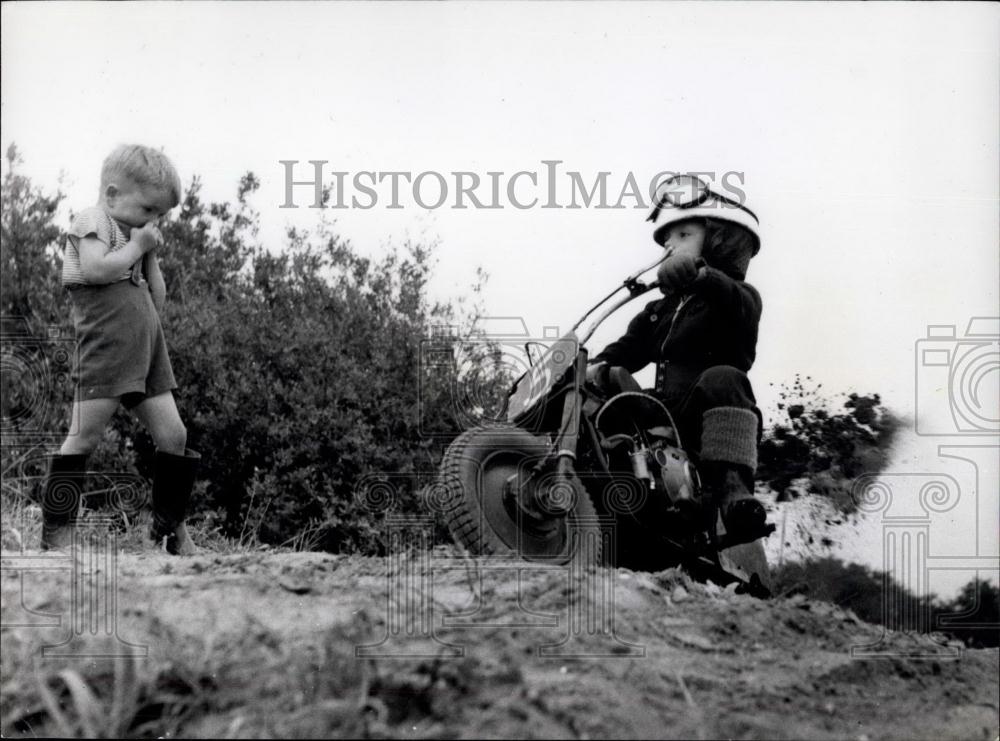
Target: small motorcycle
(586,475)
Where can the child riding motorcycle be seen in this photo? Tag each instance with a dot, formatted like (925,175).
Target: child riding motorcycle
(702,335)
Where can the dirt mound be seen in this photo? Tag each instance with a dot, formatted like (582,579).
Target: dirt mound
(439,645)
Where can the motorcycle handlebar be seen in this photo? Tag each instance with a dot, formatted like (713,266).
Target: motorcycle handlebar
(635,289)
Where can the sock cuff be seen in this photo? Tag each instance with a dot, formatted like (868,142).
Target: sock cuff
(729,435)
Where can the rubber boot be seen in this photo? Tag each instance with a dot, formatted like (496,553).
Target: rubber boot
(61,495)
(729,459)
(173,479)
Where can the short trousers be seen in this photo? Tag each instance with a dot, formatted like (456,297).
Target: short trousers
(121,350)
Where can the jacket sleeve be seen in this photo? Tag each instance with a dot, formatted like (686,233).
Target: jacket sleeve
(741,303)
(635,349)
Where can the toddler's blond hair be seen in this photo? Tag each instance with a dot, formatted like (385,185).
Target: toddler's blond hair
(143,166)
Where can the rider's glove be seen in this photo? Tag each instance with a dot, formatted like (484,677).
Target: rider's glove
(678,272)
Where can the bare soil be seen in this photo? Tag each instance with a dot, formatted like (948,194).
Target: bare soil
(435,644)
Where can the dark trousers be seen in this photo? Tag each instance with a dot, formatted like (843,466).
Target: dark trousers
(718,386)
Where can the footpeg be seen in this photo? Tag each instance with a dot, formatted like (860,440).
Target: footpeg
(728,541)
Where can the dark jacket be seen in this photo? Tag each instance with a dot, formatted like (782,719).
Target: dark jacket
(716,325)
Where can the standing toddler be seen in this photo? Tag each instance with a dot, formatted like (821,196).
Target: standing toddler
(116,291)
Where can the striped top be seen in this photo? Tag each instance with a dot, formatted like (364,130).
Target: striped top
(91,222)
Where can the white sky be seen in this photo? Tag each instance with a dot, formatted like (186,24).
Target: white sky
(868,135)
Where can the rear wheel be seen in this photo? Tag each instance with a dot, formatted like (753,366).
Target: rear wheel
(475,472)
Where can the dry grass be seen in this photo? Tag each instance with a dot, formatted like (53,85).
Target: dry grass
(21,520)
(250,684)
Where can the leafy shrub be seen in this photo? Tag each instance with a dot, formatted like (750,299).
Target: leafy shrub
(854,587)
(972,617)
(33,313)
(31,262)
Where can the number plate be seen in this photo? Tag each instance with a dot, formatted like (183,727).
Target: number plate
(537,382)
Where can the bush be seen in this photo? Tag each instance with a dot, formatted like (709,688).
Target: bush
(853,587)
(33,313)
(973,617)
(827,449)
(30,261)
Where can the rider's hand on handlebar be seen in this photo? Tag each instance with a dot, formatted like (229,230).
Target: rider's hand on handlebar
(597,373)
(677,272)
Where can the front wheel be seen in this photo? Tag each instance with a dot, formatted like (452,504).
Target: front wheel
(475,471)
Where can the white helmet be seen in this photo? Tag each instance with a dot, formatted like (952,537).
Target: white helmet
(682,197)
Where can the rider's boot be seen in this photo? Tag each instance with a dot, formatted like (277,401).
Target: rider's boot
(173,479)
(61,495)
(743,515)
(728,462)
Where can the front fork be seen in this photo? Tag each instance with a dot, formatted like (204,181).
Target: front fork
(541,498)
